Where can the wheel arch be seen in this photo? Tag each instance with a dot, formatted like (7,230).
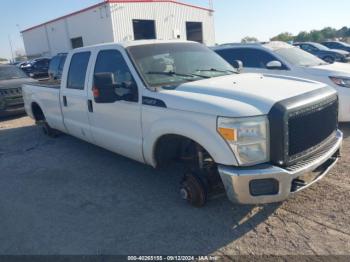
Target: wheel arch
(37,112)
(209,140)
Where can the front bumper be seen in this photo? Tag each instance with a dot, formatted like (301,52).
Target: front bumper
(237,181)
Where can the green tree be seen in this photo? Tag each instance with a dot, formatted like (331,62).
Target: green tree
(328,33)
(3,59)
(316,36)
(343,32)
(347,34)
(249,39)
(303,36)
(285,37)
(20,58)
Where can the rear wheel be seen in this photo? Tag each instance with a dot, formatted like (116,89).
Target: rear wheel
(40,120)
(49,131)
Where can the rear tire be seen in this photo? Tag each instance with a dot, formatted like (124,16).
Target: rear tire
(49,131)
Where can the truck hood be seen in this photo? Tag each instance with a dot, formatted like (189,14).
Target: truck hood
(236,95)
(13,83)
(335,69)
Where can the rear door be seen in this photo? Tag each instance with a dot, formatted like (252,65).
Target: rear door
(74,96)
(117,125)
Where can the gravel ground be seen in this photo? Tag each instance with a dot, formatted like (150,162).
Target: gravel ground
(65,196)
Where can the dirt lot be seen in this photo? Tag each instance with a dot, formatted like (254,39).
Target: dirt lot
(65,196)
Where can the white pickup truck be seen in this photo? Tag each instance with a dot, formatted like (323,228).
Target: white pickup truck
(259,137)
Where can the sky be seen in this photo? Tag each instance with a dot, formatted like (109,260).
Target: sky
(234,19)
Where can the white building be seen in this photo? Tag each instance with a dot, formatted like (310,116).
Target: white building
(120,20)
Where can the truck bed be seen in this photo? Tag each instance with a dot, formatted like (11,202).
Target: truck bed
(56,84)
(46,94)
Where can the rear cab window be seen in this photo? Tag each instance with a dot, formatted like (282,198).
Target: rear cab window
(77,70)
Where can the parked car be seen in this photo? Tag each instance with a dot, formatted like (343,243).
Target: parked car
(11,80)
(283,59)
(37,67)
(56,66)
(337,45)
(323,52)
(163,101)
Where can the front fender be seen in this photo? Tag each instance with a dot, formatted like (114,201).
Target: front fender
(208,138)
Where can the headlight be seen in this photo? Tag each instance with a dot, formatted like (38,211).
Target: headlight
(341,81)
(247,137)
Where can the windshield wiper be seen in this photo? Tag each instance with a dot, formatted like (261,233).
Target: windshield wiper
(172,73)
(216,70)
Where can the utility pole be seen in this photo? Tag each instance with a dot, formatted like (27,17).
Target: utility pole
(211,6)
(10,42)
(19,29)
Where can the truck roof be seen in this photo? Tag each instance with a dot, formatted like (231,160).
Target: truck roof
(127,44)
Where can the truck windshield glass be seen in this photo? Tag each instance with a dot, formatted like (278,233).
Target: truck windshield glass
(174,64)
(298,57)
(11,72)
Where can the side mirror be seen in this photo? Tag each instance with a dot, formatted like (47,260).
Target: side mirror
(274,65)
(104,88)
(238,65)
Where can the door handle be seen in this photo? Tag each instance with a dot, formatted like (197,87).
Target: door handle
(65,101)
(90,107)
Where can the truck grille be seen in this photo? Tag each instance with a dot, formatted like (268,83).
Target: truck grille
(302,125)
(11,91)
(311,126)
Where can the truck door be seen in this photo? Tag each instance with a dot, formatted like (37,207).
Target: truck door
(116,125)
(74,97)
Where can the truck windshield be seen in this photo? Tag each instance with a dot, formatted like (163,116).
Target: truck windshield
(298,57)
(171,64)
(11,72)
